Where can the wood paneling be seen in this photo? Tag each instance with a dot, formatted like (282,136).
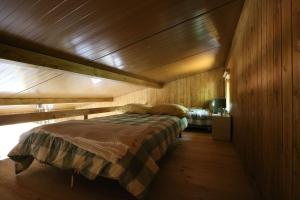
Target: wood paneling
(98,70)
(296,96)
(194,64)
(18,80)
(198,36)
(287,100)
(135,36)
(261,68)
(192,91)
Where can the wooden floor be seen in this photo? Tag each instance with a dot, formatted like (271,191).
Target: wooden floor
(195,168)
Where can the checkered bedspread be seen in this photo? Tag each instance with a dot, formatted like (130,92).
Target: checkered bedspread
(135,171)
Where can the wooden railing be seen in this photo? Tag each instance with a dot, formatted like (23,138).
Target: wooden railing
(25,101)
(39,116)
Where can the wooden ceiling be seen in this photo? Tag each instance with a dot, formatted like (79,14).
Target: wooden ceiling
(148,42)
(161,40)
(20,80)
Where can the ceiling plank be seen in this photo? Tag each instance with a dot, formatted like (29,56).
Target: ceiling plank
(97,70)
(25,101)
(39,116)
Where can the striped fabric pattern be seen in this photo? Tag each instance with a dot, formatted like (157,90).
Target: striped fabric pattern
(135,171)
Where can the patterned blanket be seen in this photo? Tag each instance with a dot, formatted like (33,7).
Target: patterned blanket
(135,171)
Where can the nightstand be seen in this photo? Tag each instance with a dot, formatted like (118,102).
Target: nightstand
(221,127)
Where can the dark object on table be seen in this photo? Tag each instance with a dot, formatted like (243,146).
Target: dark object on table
(218,105)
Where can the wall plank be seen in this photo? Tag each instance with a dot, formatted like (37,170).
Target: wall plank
(190,91)
(261,76)
(296,96)
(287,100)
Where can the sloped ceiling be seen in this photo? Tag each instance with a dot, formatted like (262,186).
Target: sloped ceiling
(20,80)
(161,40)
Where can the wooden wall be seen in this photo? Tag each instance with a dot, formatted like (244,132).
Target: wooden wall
(190,91)
(264,63)
(296,95)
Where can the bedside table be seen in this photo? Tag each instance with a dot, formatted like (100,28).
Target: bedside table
(221,127)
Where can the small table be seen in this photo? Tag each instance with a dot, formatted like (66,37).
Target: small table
(221,127)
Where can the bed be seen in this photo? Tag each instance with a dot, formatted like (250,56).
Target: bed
(199,118)
(134,169)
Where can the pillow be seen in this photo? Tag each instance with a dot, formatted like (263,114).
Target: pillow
(135,108)
(169,109)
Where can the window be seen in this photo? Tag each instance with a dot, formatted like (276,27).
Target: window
(227,90)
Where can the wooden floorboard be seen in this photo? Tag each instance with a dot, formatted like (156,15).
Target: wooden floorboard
(197,167)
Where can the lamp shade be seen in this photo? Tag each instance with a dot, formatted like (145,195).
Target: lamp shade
(218,104)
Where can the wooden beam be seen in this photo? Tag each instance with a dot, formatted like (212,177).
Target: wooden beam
(24,101)
(95,69)
(39,116)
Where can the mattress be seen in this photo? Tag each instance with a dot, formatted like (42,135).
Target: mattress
(134,171)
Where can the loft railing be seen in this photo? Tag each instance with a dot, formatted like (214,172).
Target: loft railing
(39,116)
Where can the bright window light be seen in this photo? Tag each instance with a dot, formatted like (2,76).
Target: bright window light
(96,80)
(44,107)
(120,67)
(10,134)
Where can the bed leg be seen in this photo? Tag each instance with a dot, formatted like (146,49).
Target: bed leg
(72,181)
